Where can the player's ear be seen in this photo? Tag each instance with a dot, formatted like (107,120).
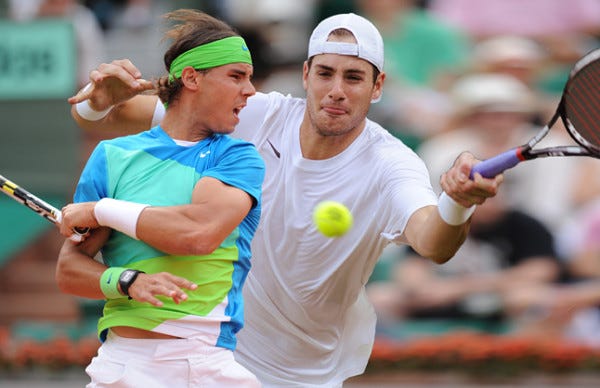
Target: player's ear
(378,87)
(189,77)
(305,70)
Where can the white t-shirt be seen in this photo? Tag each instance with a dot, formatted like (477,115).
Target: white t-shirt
(307,319)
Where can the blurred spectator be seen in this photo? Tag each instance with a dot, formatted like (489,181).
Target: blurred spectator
(136,14)
(133,14)
(567,29)
(528,61)
(578,242)
(573,310)
(285,26)
(277,33)
(492,281)
(420,49)
(104,11)
(523,58)
(21,10)
(568,311)
(534,18)
(509,235)
(519,56)
(494,113)
(585,186)
(90,39)
(327,8)
(422,55)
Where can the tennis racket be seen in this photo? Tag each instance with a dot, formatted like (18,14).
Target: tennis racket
(579,110)
(38,205)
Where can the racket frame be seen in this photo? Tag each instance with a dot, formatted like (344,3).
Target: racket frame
(35,203)
(489,168)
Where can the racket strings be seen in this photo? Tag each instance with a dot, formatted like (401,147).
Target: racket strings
(581,104)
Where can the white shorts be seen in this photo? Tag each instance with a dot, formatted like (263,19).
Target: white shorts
(173,363)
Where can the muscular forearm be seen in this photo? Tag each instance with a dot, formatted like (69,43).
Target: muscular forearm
(431,237)
(176,231)
(534,270)
(82,278)
(440,241)
(77,273)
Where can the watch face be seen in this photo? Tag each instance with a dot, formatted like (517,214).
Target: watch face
(126,279)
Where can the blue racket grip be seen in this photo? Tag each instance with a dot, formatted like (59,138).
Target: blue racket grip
(493,166)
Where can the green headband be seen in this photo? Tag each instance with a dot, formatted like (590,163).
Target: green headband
(218,53)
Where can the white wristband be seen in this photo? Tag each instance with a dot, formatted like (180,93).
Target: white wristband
(453,213)
(119,215)
(84,109)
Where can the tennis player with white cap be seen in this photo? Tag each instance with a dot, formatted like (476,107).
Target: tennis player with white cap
(308,322)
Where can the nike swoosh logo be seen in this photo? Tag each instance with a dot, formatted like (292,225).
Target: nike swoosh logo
(204,154)
(277,153)
(109,278)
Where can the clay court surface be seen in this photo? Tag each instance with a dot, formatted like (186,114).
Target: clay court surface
(76,379)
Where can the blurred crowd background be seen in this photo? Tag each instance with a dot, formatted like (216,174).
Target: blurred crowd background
(477,75)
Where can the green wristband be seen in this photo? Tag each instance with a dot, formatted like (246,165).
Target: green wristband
(109,282)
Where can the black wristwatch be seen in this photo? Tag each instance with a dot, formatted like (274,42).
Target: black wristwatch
(127,278)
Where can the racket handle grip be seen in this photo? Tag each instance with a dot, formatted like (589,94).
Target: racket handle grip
(78,233)
(491,167)
(81,231)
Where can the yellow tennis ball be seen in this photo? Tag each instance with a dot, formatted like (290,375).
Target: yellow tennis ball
(331,218)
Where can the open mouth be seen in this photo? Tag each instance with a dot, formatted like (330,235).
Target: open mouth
(237,110)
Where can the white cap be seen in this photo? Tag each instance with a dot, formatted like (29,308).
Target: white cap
(369,44)
(491,93)
(516,50)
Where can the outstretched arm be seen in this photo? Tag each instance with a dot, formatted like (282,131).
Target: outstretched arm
(115,88)
(438,232)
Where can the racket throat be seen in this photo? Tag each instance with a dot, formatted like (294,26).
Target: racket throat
(522,154)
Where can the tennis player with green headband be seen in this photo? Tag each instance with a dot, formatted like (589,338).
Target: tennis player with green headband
(218,53)
(171,318)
